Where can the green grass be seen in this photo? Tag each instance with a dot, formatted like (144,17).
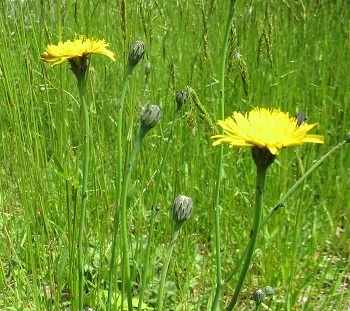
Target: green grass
(294,56)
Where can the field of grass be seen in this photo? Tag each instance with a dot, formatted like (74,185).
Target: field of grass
(291,55)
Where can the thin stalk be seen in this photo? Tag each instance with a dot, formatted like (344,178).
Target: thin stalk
(124,228)
(151,229)
(119,129)
(301,180)
(238,265)
(219,160)
(174,236)
(82,93)
(120,184)
(259,192)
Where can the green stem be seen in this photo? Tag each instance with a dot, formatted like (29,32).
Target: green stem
(259,192)
(301,180)
(238,265)
(219,160)
(150,235)
(82,93)
(119,177)
(119,129)
(124,228)
(126,281)
(147,257)
(175,234)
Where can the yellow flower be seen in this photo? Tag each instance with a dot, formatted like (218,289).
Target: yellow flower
(76,51)
(264,128)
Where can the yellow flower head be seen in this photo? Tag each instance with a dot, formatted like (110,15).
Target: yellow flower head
(76,51)
(264,128)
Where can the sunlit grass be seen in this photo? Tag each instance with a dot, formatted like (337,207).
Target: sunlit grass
(293,56)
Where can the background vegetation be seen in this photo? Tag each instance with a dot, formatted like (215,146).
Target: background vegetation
(292,55)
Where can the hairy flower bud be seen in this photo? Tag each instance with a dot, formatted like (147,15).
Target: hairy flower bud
(268,290)
(258,296)
(150,117)
(182,208)
(136,53)
(181,98)
(148,69)
(347,138)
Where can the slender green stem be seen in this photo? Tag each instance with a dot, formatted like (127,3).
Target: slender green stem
(124,228)
(119,178)
(301,180)
(259,193)
(82,93)
(219,160)
(170,249)
(151,229)
(119,129)
(146,261)
(126,281)
(238,265)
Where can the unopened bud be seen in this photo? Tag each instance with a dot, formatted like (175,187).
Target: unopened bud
(181,98)
(347,138)
(182,208)
(269,291)
(150,117)
(148,69)
(258,296)
(136,53)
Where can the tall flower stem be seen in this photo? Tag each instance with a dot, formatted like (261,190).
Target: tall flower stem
(301,180)
(220,156)
(153,212)
(119,183)
(259,193)
(150,117)
(119,129)
(86,146)
(170,249)
(181,212)
(124,228)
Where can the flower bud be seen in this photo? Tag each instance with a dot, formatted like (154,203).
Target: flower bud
(150,117)
(136,53)
(347,138)
(148,69)
(181,98)
(258,296)
(182,208)
(268,290)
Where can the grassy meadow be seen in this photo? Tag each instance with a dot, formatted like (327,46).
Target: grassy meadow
(291,55)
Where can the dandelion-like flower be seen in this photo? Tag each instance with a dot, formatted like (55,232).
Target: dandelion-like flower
(76,51)
(266,129)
